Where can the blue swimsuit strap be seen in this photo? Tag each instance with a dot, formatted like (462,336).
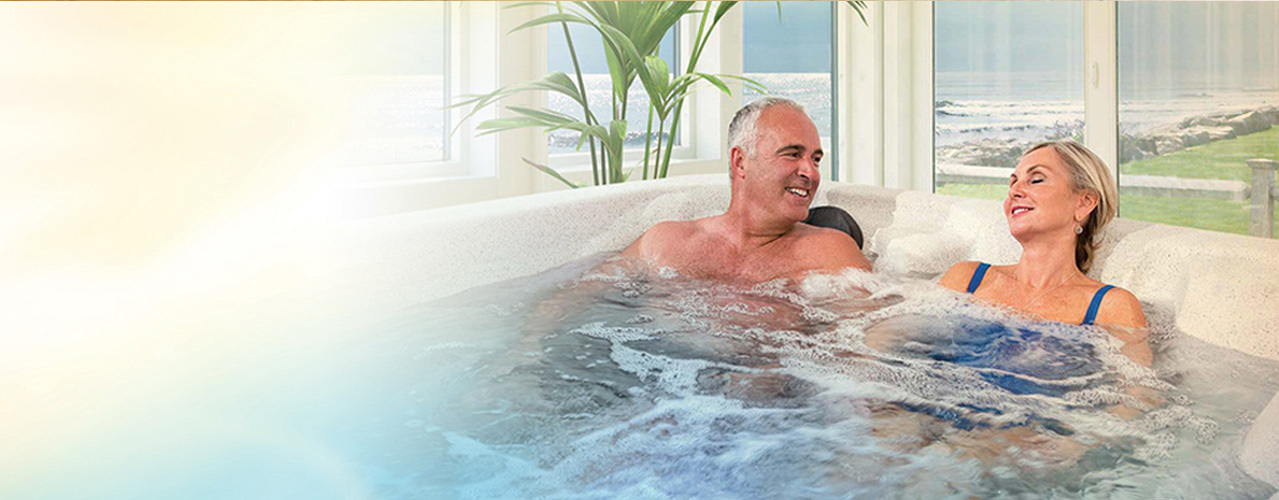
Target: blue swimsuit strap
(1091,315)
(977,276)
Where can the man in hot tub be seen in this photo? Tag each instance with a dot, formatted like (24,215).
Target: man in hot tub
(775,159)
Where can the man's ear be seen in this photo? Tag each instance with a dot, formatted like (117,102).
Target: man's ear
(1087,203)
(737,162)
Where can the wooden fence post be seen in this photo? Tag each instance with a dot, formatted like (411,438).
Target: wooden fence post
(1262,198)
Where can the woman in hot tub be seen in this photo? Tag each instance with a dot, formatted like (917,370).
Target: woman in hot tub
(1060,197)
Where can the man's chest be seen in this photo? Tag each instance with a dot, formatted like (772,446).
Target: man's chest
(708,260)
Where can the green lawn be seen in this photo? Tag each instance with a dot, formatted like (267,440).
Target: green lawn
(1224,159)
(982,191)
(1216,215)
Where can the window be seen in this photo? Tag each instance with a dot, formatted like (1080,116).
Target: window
(791,57)
(1007,75)
(1198,90)
(394,61)
(595,77)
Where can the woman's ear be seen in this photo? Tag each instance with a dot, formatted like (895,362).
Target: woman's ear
(1088,201)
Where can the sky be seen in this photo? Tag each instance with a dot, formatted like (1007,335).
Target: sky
(798,42)
(772,46)
(1228,40)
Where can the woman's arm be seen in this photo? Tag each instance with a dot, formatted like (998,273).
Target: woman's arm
(1121,310)
(1122,317)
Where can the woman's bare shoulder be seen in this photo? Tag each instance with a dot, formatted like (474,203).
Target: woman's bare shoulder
(1120,307)
(957,277)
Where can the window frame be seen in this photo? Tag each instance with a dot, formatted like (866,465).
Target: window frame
(884,102)
(886,81)
(1101,86)
(1101,74)
(478,57)
(462,150)
(832,166)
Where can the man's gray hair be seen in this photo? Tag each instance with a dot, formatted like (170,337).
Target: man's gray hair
(741,131)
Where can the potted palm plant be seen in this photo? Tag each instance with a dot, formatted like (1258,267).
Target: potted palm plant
(631,33)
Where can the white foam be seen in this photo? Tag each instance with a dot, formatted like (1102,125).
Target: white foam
(1194,276)
(717,361)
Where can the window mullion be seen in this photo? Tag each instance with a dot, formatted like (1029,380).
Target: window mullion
(861,67)
(923,166)
(1101,81)
(836,112)
(449,150)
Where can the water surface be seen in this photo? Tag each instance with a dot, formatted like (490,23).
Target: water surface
(642,384)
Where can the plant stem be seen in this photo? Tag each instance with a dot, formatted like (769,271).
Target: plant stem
(698,41)
(670,145)
(660,129)
(648,141)
(581,87)
(618,165)
(699,44)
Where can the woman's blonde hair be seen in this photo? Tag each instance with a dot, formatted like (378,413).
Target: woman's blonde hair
(1087,173)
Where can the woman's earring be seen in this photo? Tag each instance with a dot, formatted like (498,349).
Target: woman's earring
(1079,229)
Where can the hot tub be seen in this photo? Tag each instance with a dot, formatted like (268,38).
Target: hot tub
(1220,288)
(311,389)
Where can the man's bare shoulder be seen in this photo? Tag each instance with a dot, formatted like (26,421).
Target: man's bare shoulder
(821,236)
(676,228)
(661,236)
(830,248)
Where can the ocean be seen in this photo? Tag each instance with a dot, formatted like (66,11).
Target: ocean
(971,106)
(399,120)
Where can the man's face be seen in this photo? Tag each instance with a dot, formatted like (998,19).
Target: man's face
(782,175)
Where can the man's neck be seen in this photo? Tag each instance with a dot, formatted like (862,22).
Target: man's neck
(749,230)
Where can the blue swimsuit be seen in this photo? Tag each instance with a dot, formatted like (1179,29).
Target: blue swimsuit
(1021,360)
(1089,317)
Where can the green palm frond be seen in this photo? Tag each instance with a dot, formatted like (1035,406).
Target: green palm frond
(631,35)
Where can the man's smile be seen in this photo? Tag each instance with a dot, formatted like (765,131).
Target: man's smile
(800,192)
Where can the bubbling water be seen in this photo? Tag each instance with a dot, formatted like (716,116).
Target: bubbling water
(604,379)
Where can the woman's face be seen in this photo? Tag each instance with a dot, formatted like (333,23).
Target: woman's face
(1040,199)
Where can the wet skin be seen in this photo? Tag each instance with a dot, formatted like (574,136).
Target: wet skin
(1042,211)
(761,236)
